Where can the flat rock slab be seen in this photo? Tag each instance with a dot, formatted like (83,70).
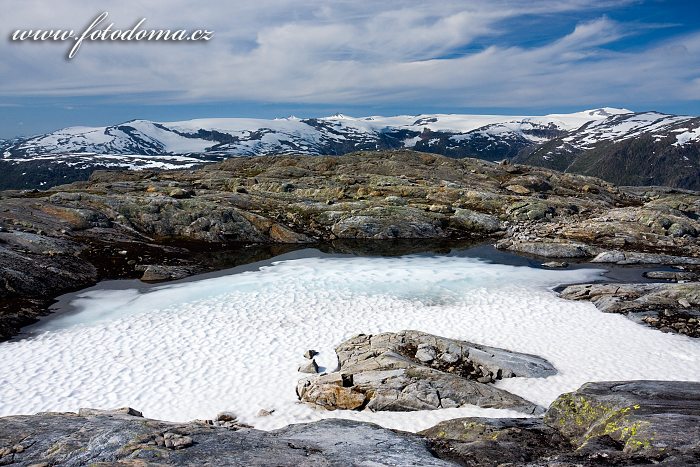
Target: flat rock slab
(550,249)
(69,439)
(634,257)
(668,307)
(676,276)
(412,370)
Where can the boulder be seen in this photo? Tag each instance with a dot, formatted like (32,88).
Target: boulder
(310,366)
(162,272)
(411,370)
(555,264)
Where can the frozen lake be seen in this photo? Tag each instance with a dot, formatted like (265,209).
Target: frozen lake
(189,350)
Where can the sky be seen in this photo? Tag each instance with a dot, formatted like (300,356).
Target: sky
(275,58)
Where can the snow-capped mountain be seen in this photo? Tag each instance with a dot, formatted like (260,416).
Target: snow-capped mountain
(72,153)
(647,148)
(331,135)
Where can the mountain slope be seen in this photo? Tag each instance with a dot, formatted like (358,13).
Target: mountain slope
(646,148)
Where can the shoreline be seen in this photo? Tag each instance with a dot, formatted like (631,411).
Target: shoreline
(485,250)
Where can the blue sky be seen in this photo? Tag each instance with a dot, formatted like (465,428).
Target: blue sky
(274,58)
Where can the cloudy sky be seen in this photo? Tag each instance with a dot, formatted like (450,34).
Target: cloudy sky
(273,58)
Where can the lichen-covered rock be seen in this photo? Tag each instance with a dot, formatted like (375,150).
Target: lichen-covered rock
(411,370)
(495,441)
(381,224)
(472,221)
(609,423)
(656,419)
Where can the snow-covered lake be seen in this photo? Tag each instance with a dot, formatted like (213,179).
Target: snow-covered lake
(233,343)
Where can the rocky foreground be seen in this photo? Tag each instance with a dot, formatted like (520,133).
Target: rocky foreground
(170,224)
(612,423)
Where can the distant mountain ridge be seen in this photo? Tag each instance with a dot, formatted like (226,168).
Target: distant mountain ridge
(596,142)
(647,148)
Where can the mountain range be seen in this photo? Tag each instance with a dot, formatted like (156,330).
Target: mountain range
(619,145)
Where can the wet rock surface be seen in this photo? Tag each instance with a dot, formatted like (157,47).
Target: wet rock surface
(412,370)
(668,307)
(118,223)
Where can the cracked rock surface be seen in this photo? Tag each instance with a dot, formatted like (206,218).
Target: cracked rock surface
(120,438)
(412,370)
(665,306)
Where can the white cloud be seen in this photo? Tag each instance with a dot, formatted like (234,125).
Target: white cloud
(354,52)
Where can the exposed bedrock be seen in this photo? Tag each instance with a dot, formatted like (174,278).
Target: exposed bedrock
(668,307)
(600,424)
(412,370)
(120,438)
(606,423)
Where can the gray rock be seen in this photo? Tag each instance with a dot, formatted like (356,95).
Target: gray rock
(157,272)
(555,264)
(426,353)
(308,367)
(674,307)
(608,423)
(123,411)
(402,222)
(656,420)
(472,221)
(551,249)
(672,275)
(411,370)
(632,257)
(71,440)
(489,442)
(310,354)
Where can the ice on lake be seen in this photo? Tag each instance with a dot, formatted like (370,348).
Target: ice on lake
(190,350)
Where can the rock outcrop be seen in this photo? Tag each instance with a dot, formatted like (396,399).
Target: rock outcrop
(117,438)
(609,423)
(412,370)
(601,424)
(668,307)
